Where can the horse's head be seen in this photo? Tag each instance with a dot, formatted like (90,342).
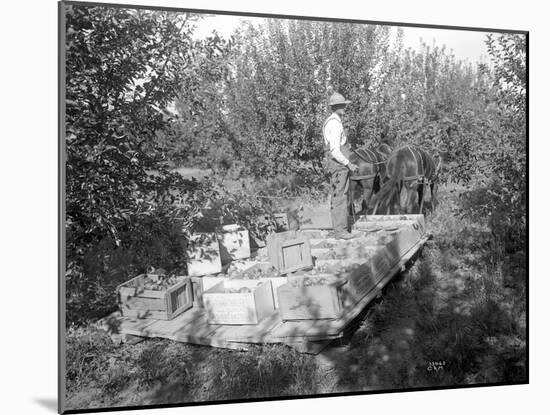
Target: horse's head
(384,148)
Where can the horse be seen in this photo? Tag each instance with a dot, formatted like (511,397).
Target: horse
(430,177)
(412,169)
(371,173)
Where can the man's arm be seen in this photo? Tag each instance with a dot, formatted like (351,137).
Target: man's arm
(333,132)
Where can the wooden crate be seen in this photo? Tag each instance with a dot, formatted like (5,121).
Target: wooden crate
(203,283)
(315,302)
(282,220)
(402,240)
(234,243)
(203,255)
(289,251)
(362,273)
(238,308)
(398,237)
(137,302)
(343,251)
(200,285)
(362,278)
(276,281)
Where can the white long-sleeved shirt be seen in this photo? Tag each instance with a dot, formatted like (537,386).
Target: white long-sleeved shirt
(335,138)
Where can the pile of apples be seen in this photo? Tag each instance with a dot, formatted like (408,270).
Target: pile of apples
(307,282)
(331,254)
(253,274)
(161,283)
(323,244)
(238,290)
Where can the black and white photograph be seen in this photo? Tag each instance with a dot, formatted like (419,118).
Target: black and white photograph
(258,207)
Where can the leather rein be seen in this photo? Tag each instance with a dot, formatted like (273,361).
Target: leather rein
(368,176)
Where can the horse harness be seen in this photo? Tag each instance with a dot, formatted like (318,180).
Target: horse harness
(420,178)
(366,155)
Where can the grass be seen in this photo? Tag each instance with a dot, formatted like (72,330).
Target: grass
(456,317)
(161,371)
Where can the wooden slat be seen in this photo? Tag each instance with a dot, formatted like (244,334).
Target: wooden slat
(152,294)
(197,328)
(208,340)
(196,331)
(139,303)
(167,328)
(299,329)
(134,326)
(254,333)
(179,298)
(145,314)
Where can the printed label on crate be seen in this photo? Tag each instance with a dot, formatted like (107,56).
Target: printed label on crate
(239,302)
(230,309)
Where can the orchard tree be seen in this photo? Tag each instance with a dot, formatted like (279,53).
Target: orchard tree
(277,91)
(506,164)
(202,137)
(123,68)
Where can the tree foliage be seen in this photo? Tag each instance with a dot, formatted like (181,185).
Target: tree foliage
(122,70)
(501,155)
(124,209)
(276,93)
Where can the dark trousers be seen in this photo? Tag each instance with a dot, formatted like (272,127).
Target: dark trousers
(339,197)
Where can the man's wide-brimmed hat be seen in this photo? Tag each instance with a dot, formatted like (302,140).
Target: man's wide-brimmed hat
(336,99)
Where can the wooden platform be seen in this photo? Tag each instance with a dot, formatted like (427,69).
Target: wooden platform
(309,336)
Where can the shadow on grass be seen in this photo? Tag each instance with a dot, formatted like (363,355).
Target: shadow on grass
(424,332)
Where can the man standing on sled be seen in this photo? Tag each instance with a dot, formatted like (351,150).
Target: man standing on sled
(338,165)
